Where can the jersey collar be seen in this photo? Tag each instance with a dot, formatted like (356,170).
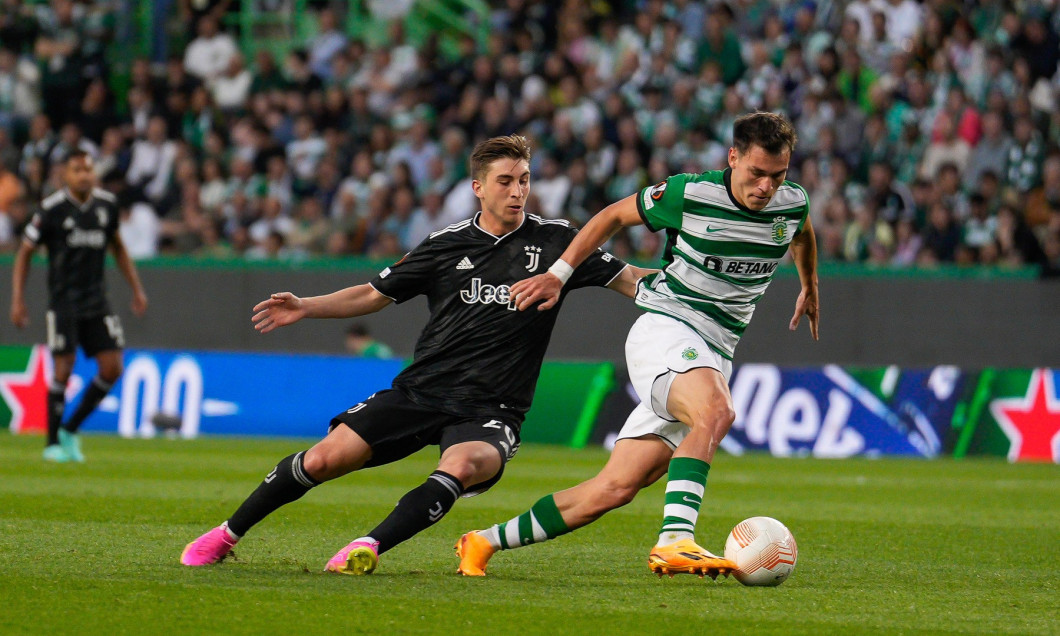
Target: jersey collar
(80,206)
(727,174)
(497,239)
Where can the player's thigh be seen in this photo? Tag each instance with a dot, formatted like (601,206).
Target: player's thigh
(393,426)
(100,334)
(481,446)
(341,451)
(700,396)
(659,351)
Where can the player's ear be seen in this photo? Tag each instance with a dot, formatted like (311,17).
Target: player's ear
(476,187)
(733,154)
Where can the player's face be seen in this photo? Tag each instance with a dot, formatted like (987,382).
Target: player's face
(756,175)
(80,176)
(503,191)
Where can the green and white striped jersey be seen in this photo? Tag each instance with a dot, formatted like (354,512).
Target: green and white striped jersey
(720,256)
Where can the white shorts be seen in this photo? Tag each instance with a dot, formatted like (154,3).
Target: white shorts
(658,349)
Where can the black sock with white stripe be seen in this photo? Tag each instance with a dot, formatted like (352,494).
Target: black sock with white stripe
(286,483)
(91,398)
(418,510)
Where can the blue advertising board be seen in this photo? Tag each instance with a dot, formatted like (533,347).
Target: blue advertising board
(829,411)
(835,411)
(231,393)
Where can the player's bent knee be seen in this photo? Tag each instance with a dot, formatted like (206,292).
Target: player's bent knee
(324,464)
(473,467)
(615,495)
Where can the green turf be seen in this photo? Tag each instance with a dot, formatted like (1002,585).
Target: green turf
(885,546)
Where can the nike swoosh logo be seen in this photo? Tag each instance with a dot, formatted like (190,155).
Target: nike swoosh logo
(691,501)
(711,230)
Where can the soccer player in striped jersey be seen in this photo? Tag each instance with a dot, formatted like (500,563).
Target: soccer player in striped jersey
(726,231)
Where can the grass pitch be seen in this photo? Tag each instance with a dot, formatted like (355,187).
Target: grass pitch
(885,546)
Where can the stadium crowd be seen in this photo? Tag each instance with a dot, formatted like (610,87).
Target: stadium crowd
(929,131)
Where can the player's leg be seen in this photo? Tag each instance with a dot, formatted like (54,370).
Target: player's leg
(473,455)
(634,464)
(100,337)
(62,367)
(700,399)
(341,452)
(682,380)
(109,365)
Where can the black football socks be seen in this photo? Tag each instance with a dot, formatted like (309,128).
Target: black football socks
(418,510)
(56,406)
(93,395)
(286,483)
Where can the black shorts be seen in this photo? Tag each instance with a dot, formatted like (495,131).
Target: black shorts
(396,427)
(67,331)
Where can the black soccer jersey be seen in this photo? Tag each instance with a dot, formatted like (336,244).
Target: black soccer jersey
(479,354)
(76,237)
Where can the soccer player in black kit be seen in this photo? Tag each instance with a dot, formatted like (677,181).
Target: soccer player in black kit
(76,225)
(473,373)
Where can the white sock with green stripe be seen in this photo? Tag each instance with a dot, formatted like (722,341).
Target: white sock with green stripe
(541,522)
(686,481)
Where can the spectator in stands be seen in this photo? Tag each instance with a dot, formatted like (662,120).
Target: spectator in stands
(152,162)
(209,54)
(328,41)
(1041,201)
(947,148)
(943,234)
(231,88)
(1016,243)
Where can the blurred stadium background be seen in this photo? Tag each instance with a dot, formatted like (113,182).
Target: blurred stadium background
(264,145)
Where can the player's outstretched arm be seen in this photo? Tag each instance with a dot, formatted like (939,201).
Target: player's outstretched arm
(626,282)
(804,253)
(19,273)
(546,287)
(284,308)
(128,270)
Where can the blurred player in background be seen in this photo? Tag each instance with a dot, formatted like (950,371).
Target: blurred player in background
(76,226)
(473,374)
(726,233)
(361,343)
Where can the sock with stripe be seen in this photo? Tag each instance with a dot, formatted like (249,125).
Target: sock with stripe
(418,510)
(686,481)
(56,406)
(91,398)
(286,483)
(541,522)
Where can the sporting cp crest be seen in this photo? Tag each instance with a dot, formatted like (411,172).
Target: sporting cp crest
(689,354)
(780,230)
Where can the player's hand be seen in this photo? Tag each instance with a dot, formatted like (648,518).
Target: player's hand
(139,304)
(543,287)
(279,310)
(19,315)
(806,305)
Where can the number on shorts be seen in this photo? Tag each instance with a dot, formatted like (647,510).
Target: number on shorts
(113,325)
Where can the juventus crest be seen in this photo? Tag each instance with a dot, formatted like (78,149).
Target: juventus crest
(534,254)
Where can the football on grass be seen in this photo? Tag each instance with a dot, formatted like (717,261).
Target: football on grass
(763,550)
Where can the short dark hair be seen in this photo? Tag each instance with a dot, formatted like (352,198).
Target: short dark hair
(494,148)
(769,131)
(76,153)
